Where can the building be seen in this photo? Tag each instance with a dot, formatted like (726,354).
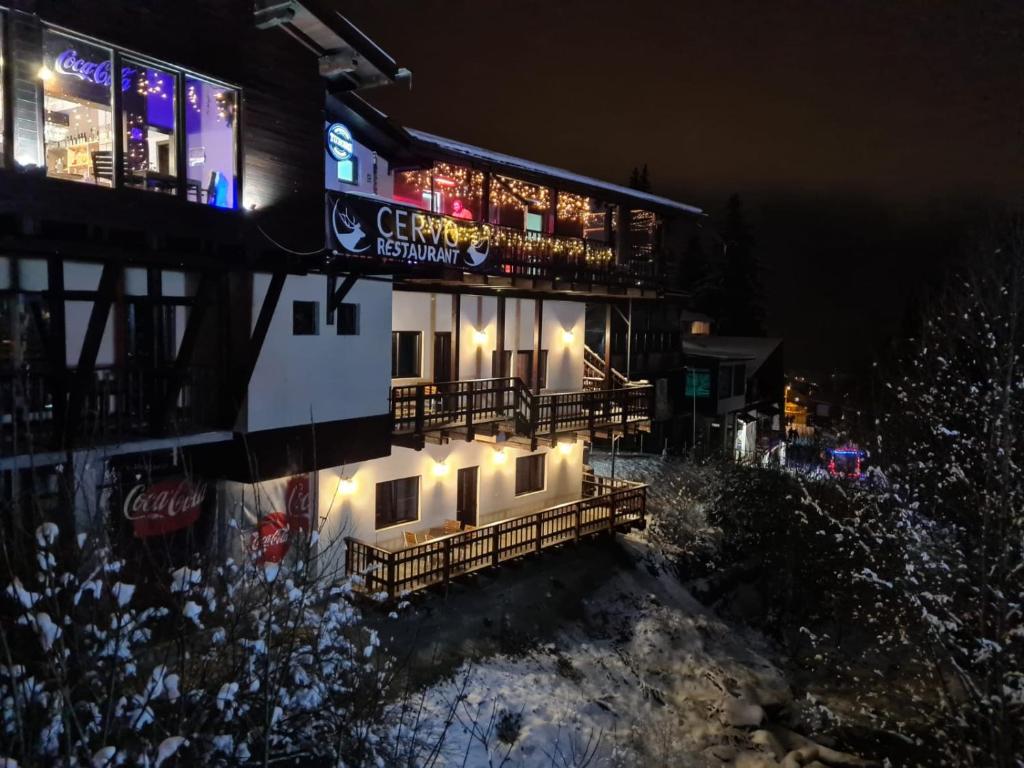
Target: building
(237,302)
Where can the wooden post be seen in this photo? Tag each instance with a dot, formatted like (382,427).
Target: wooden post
(485,199)
(391,574)
(469,410)
(540,530)
(538,334)
(579,521)
(607,346)
(446,571)
(420,391)
(500,341)
(495,546)
(611,510)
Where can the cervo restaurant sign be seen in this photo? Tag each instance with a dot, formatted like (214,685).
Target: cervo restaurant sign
(363,226)
(163,507)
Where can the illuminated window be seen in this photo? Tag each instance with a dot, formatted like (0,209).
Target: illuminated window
(700,328)
(148,115)
(77,89)
(211,143)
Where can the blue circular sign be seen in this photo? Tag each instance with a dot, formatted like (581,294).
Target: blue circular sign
(339,142)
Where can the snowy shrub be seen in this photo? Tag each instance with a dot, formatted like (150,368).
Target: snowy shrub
(216,663)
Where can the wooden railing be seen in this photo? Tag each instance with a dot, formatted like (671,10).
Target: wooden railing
(420,408)
(606,506)
(117,403)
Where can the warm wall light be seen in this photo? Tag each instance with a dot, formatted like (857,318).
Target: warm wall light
(45,73)
(440,469)
(567,337)
(480,338)
(346,485)
(565,448)
(500,457)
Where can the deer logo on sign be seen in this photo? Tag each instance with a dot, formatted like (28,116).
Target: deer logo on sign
(348,230)
(476,253)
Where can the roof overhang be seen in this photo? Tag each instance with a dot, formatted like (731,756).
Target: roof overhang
(348,59)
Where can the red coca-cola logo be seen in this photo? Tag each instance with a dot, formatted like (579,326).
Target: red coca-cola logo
(164,507)
(272,538)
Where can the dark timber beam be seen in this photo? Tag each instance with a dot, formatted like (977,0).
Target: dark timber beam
(259,335)
(54,341)
(186,352)
(86,368)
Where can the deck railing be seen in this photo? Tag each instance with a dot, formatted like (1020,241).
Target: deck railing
(605,505)
(420,408)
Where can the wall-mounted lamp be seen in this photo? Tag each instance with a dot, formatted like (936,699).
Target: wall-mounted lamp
(346,485)
(500,457)
(565,448)
(45,73)
(440,469)
(567,337)
(480,338)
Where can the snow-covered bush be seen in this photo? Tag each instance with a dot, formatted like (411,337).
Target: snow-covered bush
(213,663)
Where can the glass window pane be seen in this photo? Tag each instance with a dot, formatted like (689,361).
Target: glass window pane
(210,143)
(150,155)
(77,103)
(2,60)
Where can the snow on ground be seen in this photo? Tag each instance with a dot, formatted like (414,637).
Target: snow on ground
(647,676)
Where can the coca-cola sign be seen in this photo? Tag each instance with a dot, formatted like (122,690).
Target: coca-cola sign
(274,533)
(164,507)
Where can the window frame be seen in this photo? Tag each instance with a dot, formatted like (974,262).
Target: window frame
(540,460)
(316,317)
(356,312)
(180,73)
(394,523)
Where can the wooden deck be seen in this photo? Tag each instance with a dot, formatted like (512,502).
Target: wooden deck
(605,505)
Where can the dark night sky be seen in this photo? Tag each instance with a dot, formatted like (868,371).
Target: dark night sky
(866,138)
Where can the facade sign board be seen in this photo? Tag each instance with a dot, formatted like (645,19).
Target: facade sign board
(364,226)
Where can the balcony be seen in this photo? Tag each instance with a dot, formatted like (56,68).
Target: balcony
(605,505)
(507,404)
(115,404)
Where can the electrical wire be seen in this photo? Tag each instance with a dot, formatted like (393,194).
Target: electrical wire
(289,250)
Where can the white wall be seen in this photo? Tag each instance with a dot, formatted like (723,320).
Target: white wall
(333,377)
(354,513)
(430,313)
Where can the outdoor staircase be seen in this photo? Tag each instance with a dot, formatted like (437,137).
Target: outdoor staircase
(595,374)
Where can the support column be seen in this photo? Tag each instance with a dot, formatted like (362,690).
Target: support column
(607,346)
(538,341)
(456,333)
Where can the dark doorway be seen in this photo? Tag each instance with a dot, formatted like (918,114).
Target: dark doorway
(467,500)
(442,356)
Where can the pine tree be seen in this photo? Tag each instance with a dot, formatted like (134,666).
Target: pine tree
(741,311)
